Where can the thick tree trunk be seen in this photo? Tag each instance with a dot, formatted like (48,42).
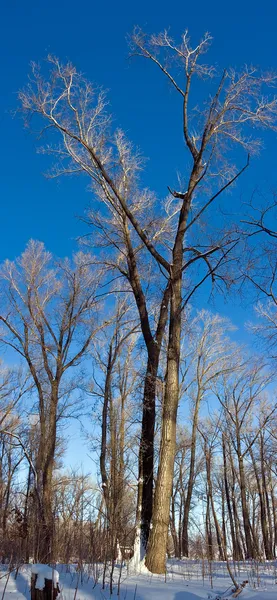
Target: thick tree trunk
(156,551)
(153,346)
(46,538)
(46,468)
(146,460)
(146,450)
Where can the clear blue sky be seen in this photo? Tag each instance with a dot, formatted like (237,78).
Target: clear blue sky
(93,36)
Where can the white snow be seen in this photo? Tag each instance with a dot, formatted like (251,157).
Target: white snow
(136,565)
(185,580)
(44,572)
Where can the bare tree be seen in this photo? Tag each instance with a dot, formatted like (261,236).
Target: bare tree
(259,268)
(70,105)
(211,360)
(14,385)
(240,394)
(48,317)
(114,355)
(209,435)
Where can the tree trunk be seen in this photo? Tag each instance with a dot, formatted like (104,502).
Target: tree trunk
(185,541)
(274,509)
(223,516)
(268,519)
(153,345)
(104,426)
(209,537)
(26,548)
(47,523)
(237,553)
(173,528)
(239,537)
(220,540)
(264,527)
(207,453)
(156,551)
(47,454)
(245,513)
(146,450)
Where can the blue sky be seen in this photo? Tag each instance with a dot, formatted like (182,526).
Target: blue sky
(93,36)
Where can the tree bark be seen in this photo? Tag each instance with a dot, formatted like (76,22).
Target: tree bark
(156,551)
(153,346)
(146,450)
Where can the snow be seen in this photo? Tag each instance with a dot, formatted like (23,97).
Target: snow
(185,580)
(44,572)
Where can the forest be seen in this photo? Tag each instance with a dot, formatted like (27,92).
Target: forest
(129,337)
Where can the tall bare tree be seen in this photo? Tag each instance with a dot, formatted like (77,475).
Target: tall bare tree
(72,106)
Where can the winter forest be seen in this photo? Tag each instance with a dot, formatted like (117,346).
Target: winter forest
(130,340)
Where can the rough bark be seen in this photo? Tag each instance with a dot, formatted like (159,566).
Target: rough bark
(153,344)
(156,551)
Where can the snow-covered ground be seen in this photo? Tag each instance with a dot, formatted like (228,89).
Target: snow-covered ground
(185,580)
